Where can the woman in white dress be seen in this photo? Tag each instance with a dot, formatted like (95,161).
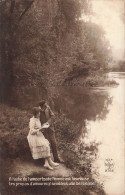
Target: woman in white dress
(38,144)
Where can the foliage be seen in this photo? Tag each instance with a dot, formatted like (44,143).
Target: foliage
(95,79)
(119,66)
(46,43)
(13,136)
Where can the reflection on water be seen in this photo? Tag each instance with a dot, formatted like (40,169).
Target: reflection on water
(102,110)
(81,103)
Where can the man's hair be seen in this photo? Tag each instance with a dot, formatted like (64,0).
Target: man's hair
(35,111)
(41,103)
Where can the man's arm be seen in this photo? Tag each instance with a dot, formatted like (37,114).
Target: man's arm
(49,115)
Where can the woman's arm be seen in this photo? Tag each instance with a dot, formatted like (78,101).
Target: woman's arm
(33,131)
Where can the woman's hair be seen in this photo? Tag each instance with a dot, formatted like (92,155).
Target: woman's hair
(42,103)
(35,111)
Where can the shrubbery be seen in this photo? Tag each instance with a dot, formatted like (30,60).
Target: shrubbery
(92,81)
(13,129)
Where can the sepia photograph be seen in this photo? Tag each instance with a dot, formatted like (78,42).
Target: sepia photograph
(62,97)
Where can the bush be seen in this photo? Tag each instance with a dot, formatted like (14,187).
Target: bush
(14,130)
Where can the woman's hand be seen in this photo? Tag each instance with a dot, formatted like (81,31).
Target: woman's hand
(45,125)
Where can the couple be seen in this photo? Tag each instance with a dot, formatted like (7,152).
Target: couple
(42,123)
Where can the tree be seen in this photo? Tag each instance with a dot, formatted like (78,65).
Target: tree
(46,42)
(12,13)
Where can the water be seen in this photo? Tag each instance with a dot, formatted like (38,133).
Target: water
(102,110)
(110,132)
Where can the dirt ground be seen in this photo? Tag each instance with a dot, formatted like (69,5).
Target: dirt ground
(22,168)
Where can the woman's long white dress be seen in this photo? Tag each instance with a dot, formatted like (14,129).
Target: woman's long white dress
(38,144)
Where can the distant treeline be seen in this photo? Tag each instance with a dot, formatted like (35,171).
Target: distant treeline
(120,66)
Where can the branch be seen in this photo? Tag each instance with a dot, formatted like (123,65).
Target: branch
(12,6)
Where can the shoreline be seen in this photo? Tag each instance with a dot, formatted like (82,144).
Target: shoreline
(92,82)
(15,138)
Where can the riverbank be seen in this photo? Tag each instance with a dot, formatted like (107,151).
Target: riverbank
(93,80)
(77,156)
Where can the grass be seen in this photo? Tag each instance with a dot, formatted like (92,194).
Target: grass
(13,129)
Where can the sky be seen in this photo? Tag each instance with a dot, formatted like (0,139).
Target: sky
(108,14)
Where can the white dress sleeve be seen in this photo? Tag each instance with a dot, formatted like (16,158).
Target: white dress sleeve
(33,131)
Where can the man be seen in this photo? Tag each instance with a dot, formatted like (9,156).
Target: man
(46,115)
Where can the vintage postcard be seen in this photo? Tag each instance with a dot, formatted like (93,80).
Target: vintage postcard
(62,97)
